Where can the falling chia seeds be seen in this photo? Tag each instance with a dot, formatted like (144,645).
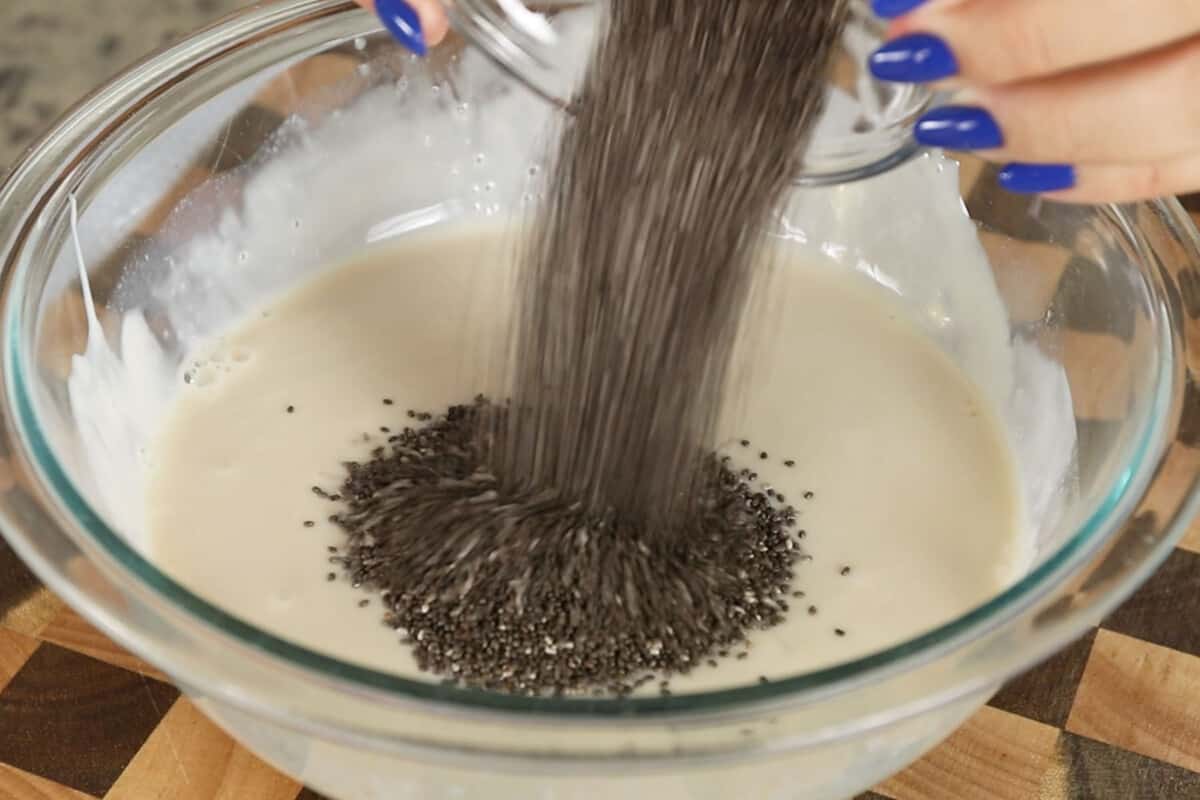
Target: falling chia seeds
(583,536)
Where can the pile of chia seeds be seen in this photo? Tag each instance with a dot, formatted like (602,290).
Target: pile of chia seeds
(526,592)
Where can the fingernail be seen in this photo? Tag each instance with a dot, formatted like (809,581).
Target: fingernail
(1037,178)
(915,58)
(959,128)
(893,8)
(402,22)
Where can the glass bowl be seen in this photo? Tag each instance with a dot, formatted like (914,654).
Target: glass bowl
(293,134)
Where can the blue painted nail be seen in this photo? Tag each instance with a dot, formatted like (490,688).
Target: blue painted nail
(402,22)
(889,9)
(915,58)
(959,128)
(1037,178)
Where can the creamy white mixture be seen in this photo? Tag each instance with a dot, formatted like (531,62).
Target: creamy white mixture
(914,488)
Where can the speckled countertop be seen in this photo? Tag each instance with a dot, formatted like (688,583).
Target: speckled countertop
(52,52)
(1114,716)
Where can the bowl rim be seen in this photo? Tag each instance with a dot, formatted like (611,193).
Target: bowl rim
(91,123)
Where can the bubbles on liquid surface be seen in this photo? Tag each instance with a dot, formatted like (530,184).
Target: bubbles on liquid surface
(480,159)
(243,256)
(201,373)
(360,43)
(222,361)
(363,70)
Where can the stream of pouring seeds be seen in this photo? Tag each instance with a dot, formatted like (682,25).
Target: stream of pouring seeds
(583,537)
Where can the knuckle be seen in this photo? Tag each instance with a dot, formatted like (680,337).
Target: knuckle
(1149,181)
(1039,128)
(1020,48)
(1184,81)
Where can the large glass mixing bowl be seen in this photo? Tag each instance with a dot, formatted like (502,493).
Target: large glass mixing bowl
(293,134)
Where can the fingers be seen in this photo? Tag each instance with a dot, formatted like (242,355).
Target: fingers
(417,24)
(433,20)
(1004,41)
(1104,183)
(1141,109)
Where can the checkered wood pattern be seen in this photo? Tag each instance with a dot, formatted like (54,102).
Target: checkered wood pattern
(1116,715)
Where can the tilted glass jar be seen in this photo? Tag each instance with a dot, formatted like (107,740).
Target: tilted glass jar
(867,127)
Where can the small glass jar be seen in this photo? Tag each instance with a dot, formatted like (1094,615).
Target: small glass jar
(866,129)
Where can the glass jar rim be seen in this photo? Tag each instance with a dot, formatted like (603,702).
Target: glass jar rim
(505,38)
(42,178)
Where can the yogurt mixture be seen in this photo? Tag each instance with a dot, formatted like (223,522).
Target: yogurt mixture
(914,488)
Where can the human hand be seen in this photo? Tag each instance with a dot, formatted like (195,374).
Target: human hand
(417,24)
(1091,100)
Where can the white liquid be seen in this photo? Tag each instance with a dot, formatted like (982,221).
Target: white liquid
(914,488)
